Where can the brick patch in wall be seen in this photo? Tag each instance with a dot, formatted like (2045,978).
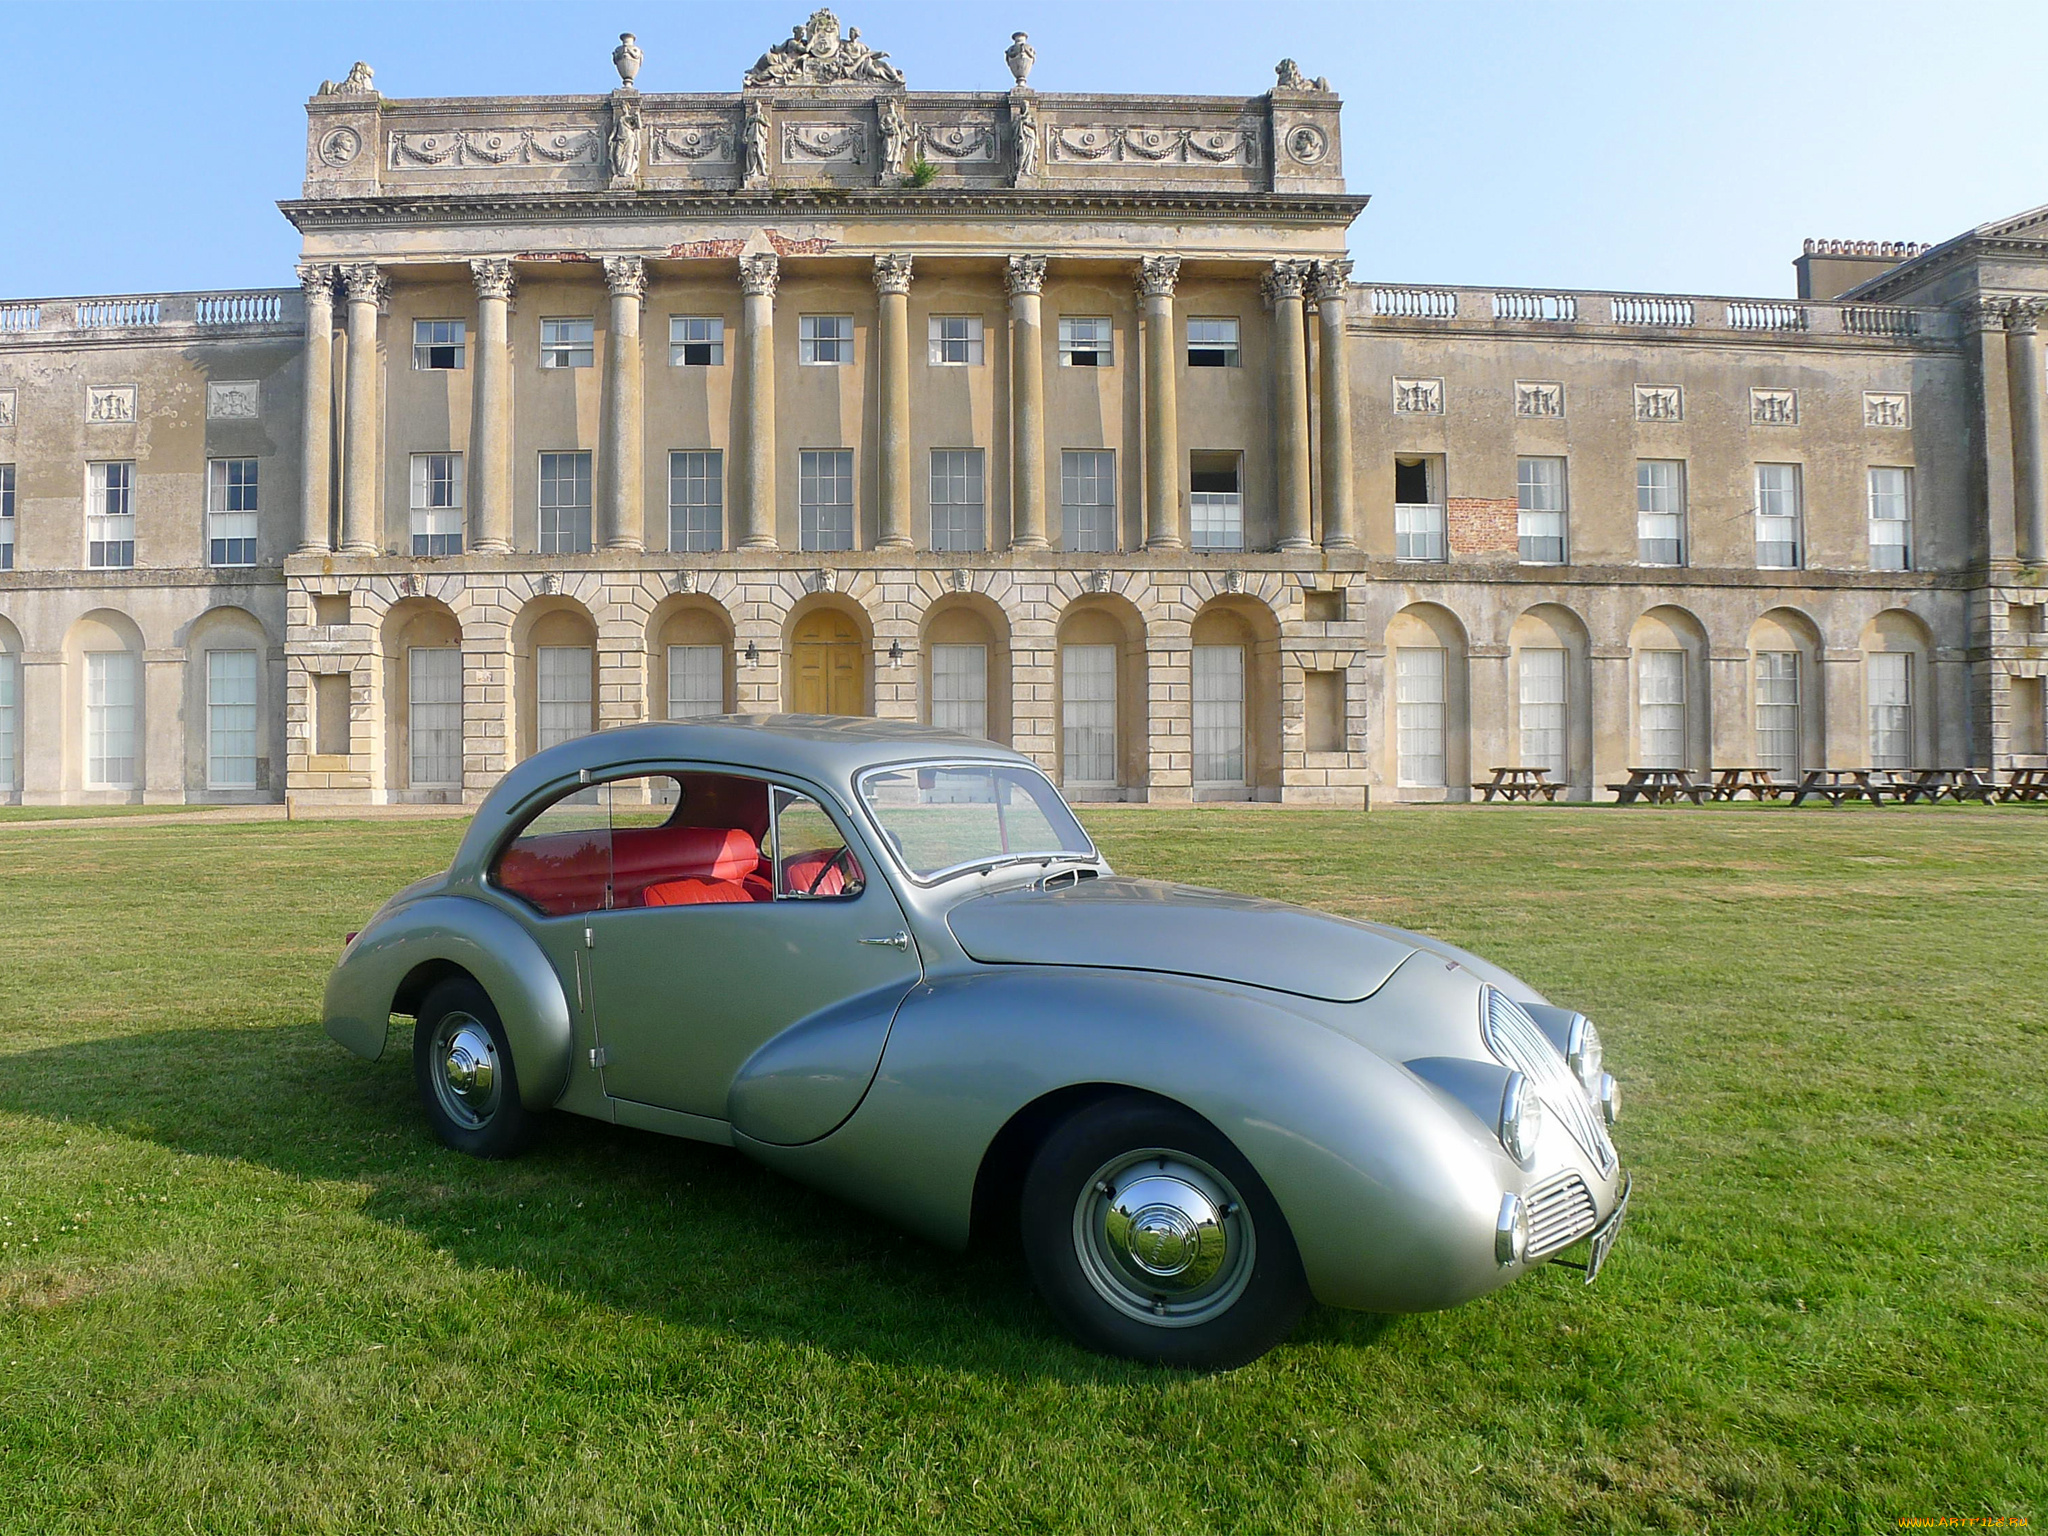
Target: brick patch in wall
(1482,525)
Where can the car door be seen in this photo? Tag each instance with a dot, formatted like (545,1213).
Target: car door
(695,966)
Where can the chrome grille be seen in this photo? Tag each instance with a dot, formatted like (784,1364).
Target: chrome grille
(1561,1211)
(1519,1042)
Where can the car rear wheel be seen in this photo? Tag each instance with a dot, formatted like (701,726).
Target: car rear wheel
(462,1063)
(1153,1238)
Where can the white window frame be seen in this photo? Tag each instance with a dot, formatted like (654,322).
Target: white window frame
(1542,691)
(1088,715)
(1087,341)
(233,690)
(448,337)
(696,681)
(704,334)
(564,525)
(1217,676)
(1661,707)
(568,341)
(696,500)
(1891,517)
(433,709)
(439,494)
(959,501)
(955,341)
(824,341)
(10,721)
(1216,518)
(1421,531)
(960,688)
(819,470)
(1422,716)
(1888,686)
(1660,512)
(1543,510)
(1780,718)
(1088,523)
(1780,513)
(6,517)
(232,496)
(1213,334)
(112,689)
(110,531)
(564,704)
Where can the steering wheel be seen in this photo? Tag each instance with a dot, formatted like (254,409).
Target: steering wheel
(840,860)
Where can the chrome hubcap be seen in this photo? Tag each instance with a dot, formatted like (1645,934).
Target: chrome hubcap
(466,1070)
(1163,1237)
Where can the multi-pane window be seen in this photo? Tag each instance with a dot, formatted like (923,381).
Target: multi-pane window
(1540,682)
(696,499)
(6,517)
(1088,713)
(1420,673)
(1085,341)
(960,689)
(1419,532)
(1891,519)
(826,340)
(10,733)
(1216,501)
(562,693)
(1777,713)
(1660,708)
(439,344)
(110,515)
(956,340)
(1212,343)
(567,343)
(437,501)
(565,503)
(1889,677)
(231,719)
(1660,511)
(696,341)
(109,720)
(1088,501)
(1778,536)
(231,512)
(959,521)
(696,681)
(434,715)
(1540,503)
(1219,714)
(824,498)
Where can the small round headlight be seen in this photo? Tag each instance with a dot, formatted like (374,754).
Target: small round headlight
(1584,1053)
(1610,1098)
(1521,1118)
(1511,1230)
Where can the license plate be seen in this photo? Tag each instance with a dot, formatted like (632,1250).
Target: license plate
(1609,1230)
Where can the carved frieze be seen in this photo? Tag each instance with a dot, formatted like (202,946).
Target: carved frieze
(236,400)
(968,140)
(1156,146)
(1774,407)
(1887,408)
(1418,397)
(817,143)
(339,146)
(1659,402)
(112,404)
(688,143)
(6,407)
(490,148)
(1305,143)
(1539,399)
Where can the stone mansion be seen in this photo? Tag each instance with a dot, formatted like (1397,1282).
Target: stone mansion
(1058,419)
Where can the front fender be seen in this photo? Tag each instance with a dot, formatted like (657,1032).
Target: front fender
(479,939)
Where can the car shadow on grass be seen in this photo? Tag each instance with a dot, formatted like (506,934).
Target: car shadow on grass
(687,1234)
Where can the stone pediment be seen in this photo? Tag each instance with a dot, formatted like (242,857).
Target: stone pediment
(2031,226)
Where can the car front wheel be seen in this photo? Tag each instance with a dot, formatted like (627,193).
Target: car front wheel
(1153,1238)
(463,1066)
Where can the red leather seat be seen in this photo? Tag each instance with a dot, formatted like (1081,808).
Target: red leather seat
(567,872)
(647,856)
(800,869)
(560,873)
(698,893)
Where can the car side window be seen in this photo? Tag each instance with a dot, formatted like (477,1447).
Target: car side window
(812,861)
(561,861)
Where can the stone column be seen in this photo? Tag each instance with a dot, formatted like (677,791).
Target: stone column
(1156,277)
(892,286)
(755,437)
(625,515)
(490,459)
(367,289)
(1284,285)
(316,418)
(2029,453)
(1026,280)
(1331,287)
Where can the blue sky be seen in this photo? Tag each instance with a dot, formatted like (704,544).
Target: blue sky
(1678,146)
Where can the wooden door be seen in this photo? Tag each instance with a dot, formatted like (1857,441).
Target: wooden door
(826,666)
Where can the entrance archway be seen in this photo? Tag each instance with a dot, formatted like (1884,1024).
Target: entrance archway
(827,664)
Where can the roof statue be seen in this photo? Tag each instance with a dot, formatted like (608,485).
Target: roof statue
(1290,78)
(355,83)
(816,54)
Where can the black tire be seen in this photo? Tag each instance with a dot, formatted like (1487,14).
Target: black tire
(484,1122)
(1106,1266)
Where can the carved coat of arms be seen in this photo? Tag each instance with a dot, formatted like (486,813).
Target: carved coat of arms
(817,53)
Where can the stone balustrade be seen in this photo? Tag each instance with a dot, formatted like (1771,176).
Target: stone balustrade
(129,316)
(1392,306)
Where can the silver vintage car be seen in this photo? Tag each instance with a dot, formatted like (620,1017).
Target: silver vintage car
(889,962)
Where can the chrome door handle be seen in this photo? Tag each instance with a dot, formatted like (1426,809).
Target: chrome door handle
(897,940)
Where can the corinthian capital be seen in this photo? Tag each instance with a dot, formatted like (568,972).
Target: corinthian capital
(1982,314)
(492,276)
(892,273)
(316,280)
(1331,280)
(364,283)
(1026,274)
(625,277)
(1157,275)
(2022,316)
(1287,280)
(758,274)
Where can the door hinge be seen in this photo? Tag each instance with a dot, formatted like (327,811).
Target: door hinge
(589,938)
(599,1056)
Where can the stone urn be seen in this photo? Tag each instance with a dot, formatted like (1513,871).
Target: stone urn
(1020,56)
(626,59)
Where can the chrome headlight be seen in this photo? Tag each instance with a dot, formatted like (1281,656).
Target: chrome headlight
(1521,1118)
(1583,1052)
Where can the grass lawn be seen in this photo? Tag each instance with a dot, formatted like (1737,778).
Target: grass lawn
(241,1289)
(72,812)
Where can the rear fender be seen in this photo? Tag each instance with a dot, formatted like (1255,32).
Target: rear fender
(455,931)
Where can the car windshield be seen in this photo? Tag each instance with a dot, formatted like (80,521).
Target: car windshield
(942,818)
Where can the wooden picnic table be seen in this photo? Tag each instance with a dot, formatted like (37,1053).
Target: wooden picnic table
(1520,784)
(1930,784)
(1659,786)
(2029,784)
(1835,785)
(1758,783)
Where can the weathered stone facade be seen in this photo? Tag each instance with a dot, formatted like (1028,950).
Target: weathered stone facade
(591,410)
